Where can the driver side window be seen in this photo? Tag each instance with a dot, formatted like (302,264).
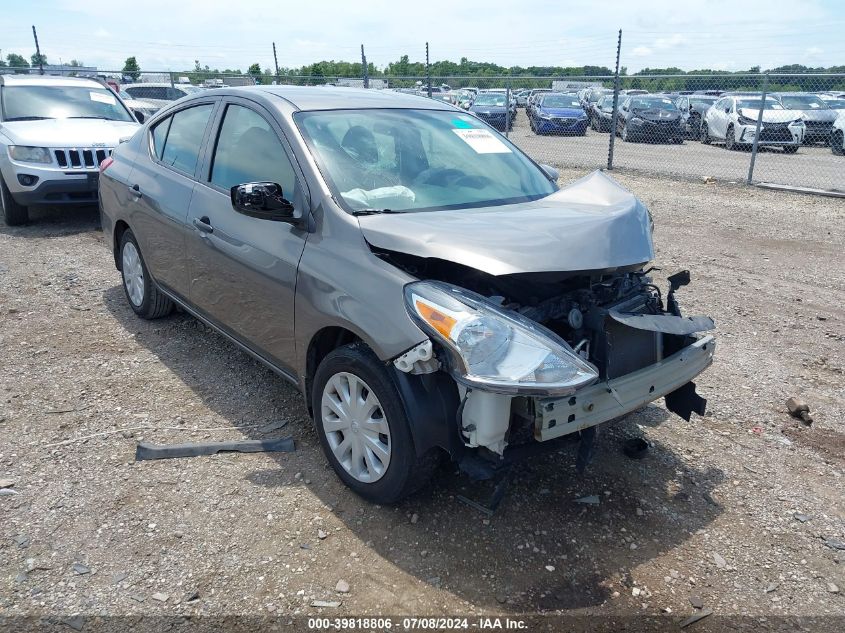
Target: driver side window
(248,150)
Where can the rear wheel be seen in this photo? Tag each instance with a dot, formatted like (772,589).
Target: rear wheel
(145,299)
(625,133)
(790,149)
(363,427)
(836,142)
(705,133)
(15,214)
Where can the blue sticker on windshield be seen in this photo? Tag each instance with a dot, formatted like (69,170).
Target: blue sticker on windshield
(462,124)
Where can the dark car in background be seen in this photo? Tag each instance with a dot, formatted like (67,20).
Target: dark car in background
(649,118)
(693,108)
(601,120)
(555,113)
(816,114)
(492,108)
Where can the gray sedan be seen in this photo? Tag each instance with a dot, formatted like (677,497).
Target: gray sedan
(427,287)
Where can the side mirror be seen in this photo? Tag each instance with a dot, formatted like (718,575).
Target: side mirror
(139,116)
(551,173)
(727,110)
(262,200)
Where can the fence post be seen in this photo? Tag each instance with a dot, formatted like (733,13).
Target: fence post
(427,71)
(364,68)
(615,105)
(757,130)
(507,106)
(171,78)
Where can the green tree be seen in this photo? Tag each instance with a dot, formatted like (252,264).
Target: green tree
(36,59)
(76,64)
(255,70)
(131,68)
(16,61)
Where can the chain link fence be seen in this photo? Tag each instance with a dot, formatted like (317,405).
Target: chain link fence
(782,130)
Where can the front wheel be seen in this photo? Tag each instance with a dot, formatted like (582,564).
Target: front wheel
(730,139)
(836,143)
(625,134)
(363,427)
(790,149)
(705,133)
(145,299)
(15,214)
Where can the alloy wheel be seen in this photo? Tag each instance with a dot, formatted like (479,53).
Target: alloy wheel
(356,427)
(133,274)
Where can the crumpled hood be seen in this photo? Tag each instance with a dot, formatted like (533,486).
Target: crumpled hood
(657,114)
(771,116)
(593,224)
(824,116)
(485,109)
(68,132)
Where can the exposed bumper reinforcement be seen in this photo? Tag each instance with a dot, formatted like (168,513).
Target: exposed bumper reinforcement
(607,400)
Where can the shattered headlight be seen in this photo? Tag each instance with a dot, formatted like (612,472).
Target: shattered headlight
(495,349)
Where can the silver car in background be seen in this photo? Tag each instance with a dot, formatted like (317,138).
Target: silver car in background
(426,286)
(54,133)
(732,120)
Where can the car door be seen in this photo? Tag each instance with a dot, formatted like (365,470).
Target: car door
(720,118)
(244,268)
(161,185)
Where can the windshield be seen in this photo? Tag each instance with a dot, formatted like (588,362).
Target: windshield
(654,102)
(836,104)
(702,100)
(61,102)
(561,102)
(412,160)
(802,102)
(490,99)
(754,104)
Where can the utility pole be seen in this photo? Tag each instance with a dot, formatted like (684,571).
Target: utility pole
(38,51)
(276,62)
(615,104)
(364,68)
(427,71)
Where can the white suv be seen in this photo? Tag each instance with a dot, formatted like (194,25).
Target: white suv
(54,133)
(732,120)
(837,136)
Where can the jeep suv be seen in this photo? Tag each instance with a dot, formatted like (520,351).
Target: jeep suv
(54,133)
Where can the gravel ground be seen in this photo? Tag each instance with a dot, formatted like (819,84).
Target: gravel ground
(740,511)
(812,166)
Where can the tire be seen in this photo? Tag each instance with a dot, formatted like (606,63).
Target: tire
(15,214)
(836,143)
(145,299)
(730,139)
(594,124)
(355,369)
(790,149)
(624,134)
(705,133)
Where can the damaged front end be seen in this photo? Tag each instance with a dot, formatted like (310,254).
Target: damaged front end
(542,353)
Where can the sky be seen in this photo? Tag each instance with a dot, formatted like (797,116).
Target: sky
(171,34)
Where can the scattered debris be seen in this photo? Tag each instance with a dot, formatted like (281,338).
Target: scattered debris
(592,500)
(321,534)
(119,577)
(636,591)
(834,544)
(342,586)
(415,517)
(325,603)
(771,587)
(799,409)
(273,426)
(709,180)
(696,601)
(7,483)
(803,518)
(147,450)
(550,567)
(193,596)
(696,617)
(80,569)
(7,492)
(159,597)
(721,563)
(22,540)
(76,622)
(832,587)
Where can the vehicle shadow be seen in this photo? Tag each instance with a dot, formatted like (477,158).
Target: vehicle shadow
(541,551)
(55,221)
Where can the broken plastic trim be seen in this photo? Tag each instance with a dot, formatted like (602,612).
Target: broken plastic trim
(147,450)
(666,323)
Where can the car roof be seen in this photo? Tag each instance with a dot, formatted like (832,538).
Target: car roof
(48,80)
(335,98)
(158,84)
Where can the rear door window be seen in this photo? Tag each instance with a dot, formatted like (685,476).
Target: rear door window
(184,138)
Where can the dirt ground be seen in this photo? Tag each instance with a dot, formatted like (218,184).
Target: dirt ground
(741,511)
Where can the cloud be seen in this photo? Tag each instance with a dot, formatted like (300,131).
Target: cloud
(663,43)
(101,32)
(641,51)
(813,51)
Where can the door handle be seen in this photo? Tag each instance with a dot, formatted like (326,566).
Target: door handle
(204,224)
(135,190)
